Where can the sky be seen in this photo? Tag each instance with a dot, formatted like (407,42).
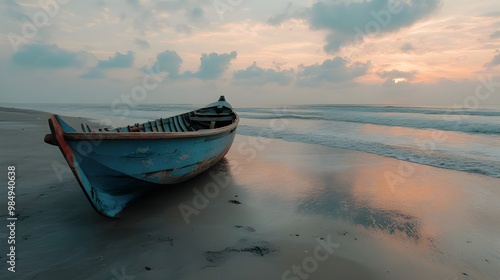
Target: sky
(256,53)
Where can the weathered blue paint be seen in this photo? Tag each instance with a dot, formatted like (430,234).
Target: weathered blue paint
(114,172)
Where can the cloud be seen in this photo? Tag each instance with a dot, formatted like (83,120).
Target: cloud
(331,70)
(117,61)
(47,56)
(495,35)
(349,22)
(142,43)
(494,62)
(279,18)
(213,65)
(255,75)
(134,3)
(335,70)
(146,15)
(169,62)
(93,73)
(171,5)
(175,5)
(407,47)
(354,21)
(211,68)
(14,10)
(196,13)
(291,12)
(396,76)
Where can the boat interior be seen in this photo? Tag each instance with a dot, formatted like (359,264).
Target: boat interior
(205,118)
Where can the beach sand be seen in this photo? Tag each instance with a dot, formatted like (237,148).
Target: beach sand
(269,210)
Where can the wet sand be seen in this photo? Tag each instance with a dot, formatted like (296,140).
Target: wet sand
(269,210)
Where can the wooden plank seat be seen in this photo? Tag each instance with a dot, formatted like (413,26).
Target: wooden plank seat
(209,119)
(211,114)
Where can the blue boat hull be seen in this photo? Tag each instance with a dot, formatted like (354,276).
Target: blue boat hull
(113,171)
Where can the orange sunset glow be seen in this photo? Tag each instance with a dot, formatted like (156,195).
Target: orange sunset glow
(399,52)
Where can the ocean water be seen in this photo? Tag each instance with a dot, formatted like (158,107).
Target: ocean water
(460,139)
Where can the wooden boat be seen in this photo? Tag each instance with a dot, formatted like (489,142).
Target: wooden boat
(114,167)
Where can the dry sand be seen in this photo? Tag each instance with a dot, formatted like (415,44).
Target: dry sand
(271,205)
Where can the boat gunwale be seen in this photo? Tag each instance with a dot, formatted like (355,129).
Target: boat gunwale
(150,135)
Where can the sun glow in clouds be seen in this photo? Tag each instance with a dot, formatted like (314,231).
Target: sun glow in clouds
(399,80)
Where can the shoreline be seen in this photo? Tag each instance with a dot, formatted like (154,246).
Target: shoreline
(488,169)
(437,224)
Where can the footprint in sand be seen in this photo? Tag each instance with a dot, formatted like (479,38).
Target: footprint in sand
(247,228)
(256,248)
